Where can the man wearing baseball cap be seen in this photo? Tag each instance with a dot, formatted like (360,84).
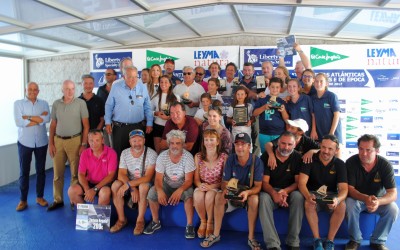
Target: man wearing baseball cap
(136,170)
(238,166)
(304,144)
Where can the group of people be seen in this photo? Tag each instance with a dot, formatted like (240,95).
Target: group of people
(163,140)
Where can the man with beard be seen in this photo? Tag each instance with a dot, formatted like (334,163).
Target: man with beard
(200,73)
(280,190)
(169,67)
(372,188)
(173,183)
(110,76)
(267,70)
(136,171)
(325,175)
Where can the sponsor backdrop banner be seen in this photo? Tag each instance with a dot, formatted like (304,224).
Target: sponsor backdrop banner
(366,79)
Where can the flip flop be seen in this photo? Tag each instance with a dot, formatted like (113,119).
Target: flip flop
(210,240)
(254,244)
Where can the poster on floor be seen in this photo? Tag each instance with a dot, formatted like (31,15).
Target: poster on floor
(93,217)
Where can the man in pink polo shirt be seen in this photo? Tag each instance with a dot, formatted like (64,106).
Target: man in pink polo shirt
(97,169)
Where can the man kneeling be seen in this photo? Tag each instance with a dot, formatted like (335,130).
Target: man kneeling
(97,167)
(245,169)
(136,171)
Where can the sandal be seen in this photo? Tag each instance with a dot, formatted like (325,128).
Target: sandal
(210,229)
(210,240)
(254,244)
(201,232)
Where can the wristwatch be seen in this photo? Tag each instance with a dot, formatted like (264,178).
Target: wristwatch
(96,189)
(29,118)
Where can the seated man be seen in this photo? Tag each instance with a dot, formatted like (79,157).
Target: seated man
(238,166)
(97,168)
(173,183)
(325,173)
(372,188)
(279,188)
(135,174)
(179,120)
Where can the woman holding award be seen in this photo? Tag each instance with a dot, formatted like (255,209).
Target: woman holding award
(209,164)
(299,105)
(160,106)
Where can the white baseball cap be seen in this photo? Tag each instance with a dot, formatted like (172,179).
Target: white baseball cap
(299,123)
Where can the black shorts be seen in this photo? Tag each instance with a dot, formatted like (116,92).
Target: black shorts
(158,130)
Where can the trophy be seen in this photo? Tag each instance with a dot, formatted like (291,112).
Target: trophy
(222,85)
(165,109)
(273,103)
(185,98)
(240,115)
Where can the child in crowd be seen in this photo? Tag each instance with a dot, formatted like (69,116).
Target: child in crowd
(240,99)
(272,114)
(201,113)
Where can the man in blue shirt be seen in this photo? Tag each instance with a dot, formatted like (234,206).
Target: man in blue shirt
(239,166)
(127,108)
(31,115)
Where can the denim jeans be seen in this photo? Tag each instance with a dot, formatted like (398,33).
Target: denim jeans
(25,159)
(388,215)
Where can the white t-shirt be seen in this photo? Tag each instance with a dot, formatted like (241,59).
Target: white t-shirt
(174,174)
(154,107)
(134,165)
(195,90)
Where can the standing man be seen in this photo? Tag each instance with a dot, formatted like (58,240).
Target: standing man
(124,63)
(110,75)
(200,73)
(69,130)
(127,108)
(372,188)
(280,190)
(97,168)
(169,67)
(135,175)
(329,171)
(95,104)
(238,166)
(267,70)
(31,115)
(173,183)
(230,72)
(189,91)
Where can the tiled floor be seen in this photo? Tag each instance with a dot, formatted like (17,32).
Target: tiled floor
(35,228)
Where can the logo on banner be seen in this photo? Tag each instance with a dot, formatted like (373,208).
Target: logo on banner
(258,56)
(349,127)
(320,57)
(350,136)
(351,119)
(153,57)
(109,60)
(364,101)
(364,110)
(205,57)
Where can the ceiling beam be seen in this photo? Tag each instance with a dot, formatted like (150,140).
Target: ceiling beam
(348,19)
(186,23)
(238,18)
(63,8)
(56,39)
(13,21)
(383,3)
(94,33)
(28,45)
(139,28)
(142,4)
(389,32)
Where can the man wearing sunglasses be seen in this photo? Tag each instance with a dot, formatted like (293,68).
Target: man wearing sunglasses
(97,167)
(127,108)
(110,76)
(200,73)
(189,91)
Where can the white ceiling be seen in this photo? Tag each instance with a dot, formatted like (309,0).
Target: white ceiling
(34,28)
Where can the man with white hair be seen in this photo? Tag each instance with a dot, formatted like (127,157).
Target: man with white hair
(68,138)
(173,182)
(190,91)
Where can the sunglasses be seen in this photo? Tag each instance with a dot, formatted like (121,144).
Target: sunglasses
(199,74)
(187,73)
(136,132)
(109,74)
(132,102)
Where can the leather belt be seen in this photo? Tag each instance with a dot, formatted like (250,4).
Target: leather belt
(123,124)
(68,137)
